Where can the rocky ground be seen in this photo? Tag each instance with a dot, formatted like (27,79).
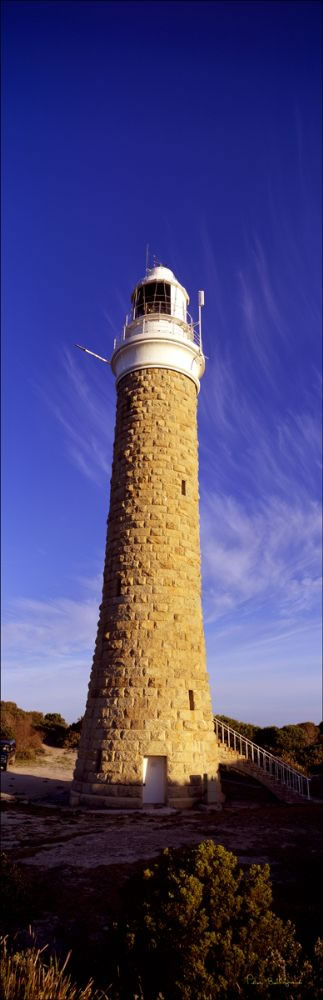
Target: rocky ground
(78,862)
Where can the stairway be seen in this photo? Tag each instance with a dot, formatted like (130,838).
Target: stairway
(237,752)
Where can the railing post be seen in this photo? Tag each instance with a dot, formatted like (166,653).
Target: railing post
(269,764)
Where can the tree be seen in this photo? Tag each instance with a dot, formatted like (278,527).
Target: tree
(246,729)
(73,733)
(200,927)
(55,729)
(55,718)
(310,730)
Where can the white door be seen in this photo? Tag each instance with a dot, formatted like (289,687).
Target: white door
(154,780)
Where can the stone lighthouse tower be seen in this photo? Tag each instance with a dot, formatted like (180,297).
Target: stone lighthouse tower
(148,734)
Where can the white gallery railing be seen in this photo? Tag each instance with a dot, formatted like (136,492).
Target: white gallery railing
(273,766)
(176,327)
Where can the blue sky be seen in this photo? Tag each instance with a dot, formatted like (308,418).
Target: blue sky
(194,127)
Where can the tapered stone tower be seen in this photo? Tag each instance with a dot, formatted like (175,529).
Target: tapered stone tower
(148,734)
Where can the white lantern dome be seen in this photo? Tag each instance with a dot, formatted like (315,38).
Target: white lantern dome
(160,333)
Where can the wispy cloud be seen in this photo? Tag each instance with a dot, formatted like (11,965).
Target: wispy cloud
(260,459)
(270,298)
(262,673)
(48,648)
(82,401)
(267,560)
(262,309)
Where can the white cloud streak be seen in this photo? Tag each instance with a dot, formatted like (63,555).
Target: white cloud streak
(83,404)
(260,509)
(47,651)
(269,556)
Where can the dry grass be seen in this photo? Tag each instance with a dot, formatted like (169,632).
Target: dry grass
(25,975)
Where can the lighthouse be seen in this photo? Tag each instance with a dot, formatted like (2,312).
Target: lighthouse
(148,734)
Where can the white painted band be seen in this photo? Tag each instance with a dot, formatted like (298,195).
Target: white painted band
(182,356)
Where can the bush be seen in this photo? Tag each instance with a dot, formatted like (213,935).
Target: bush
(246,729)
(55,718)
(199,927)
(71,740)
(310,730)
(55,729)
(16,898)
(299,746)
(7,731)
(73,735)
(27,974)
(21,726)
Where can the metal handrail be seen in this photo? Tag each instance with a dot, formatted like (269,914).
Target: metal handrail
(193,337)
(277,768)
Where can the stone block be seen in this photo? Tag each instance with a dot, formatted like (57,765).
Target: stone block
(152,633)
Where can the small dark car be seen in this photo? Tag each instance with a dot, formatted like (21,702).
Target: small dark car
(7,753)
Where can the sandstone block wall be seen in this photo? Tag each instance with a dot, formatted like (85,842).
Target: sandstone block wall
(149,690)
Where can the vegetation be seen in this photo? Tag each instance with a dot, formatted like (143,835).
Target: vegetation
(72,736)
(15,898)
(193,925)
(246,729)
(24,727)
(201,928)
(301,746)
(33,729)
(28,974)
(55,729)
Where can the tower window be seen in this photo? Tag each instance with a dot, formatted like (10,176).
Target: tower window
(99,761)
(118,587)
(191,700)
(154,297)
(184,487)
(128,404)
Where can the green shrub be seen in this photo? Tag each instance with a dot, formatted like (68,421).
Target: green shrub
(16,898)
(246,729)
(300,746)
(71,740)
(7,731)
(22,728)
(200,927)
(73,735)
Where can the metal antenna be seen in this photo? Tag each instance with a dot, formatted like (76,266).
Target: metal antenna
(98,356)
(201,303)
(147,258)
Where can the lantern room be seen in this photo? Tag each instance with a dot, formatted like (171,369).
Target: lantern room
(159,333)
(160,294)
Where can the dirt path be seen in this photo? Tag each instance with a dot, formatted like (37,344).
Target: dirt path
(47,778)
